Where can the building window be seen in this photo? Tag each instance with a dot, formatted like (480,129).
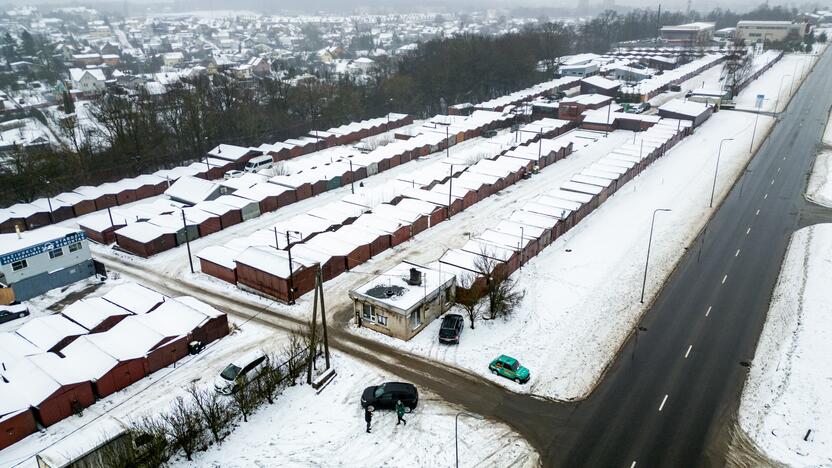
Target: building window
(19,265)
(369,313)
(74,247)
(415,319)
(382,320)
(55,253)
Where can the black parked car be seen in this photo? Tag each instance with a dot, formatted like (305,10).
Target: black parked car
(451,328)
(386,395)
(12,312)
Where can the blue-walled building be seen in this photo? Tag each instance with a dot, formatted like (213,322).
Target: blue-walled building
(33,262)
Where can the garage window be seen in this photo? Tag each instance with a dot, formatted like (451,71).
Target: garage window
(19,265)
(382,320)
(75,247)
(53,254)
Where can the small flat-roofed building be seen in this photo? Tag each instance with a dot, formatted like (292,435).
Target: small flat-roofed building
(691,34)
(599,85)
(403,300)
(696,112)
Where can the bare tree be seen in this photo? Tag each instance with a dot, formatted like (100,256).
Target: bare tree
(184,427)
(268,380)
(149,436)
(737,68)
(469,291)
(214,410)
(244,397)
(500,289)
(293,354)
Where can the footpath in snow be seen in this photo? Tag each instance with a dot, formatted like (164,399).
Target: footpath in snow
(819,189)
(583,291)
(787,399)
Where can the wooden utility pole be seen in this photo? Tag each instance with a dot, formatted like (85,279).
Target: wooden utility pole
(319,293)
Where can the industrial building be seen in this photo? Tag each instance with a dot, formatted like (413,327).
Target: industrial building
(767,31)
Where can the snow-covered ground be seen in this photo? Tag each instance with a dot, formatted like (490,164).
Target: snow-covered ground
(581,304)
(150,394)
(787,393)
(303,428)
(819,189)
(785,74)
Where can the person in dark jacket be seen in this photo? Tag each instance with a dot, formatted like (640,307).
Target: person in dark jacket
(368,417)
(400,413)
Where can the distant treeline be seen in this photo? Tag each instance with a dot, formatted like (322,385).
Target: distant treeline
(138,134)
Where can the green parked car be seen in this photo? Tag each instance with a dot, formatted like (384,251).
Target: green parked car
(509,368)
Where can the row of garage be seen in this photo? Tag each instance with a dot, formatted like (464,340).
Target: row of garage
(200,207)
(528,230)
(342,235)
(88,199)
(57,365)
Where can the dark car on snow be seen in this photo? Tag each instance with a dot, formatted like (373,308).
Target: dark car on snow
(12,312)
(386,395)
(451,328)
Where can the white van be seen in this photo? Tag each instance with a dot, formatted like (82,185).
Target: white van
(239,370)
(259,163)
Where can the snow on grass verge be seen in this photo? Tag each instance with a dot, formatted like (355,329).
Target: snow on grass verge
(819,189)
(787,393)
(303,428)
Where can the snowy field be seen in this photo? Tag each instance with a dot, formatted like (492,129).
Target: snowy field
(581,304)
(303,428)
(787,393)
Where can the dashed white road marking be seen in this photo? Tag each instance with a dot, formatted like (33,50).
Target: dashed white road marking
(708,312)
(687,353)
(778,169)
(772,182)
(664,400)
(765,196)
(747,231)
(738,253)
(724,278)
(757,213)
(633,465)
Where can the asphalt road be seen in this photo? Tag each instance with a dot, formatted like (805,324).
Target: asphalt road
(676,384)
(674,388)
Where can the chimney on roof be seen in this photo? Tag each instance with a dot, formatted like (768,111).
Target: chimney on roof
(17,230)
(415,277)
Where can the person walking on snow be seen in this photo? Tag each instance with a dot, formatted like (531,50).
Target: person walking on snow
(368,416)
(400,413)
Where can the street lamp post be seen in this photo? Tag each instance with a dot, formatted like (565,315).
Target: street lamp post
(352,179)
(777,101)
(49,202)
(291,295)
(450,189)
(649,242)
(456,432)
(718,154)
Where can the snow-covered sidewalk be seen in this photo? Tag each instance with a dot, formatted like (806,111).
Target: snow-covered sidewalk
(819,189)
(303,428)
(787,393)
